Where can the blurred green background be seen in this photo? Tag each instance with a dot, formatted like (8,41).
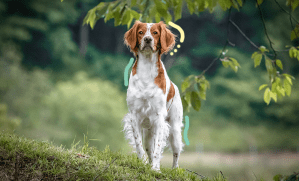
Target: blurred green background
(60,80)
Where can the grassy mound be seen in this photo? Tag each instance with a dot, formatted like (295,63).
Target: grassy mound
(25,159)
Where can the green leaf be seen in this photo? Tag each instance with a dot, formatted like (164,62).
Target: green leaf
(185,85)
(161,8)
(91,18)
(263,49)
(203,94)
(294,34)
(195,101)
(207,83)
(273,95)
(267,96)
(117,16)
(260,2)
(240,2)
(167,18)
(130,21)
(157,18)
(202,91)
(133,2)
(295,4)
(200,5)
(235,4)
(268,63)
(188,97)
(289,80)
(235,68)
(287,75)
(223,4)
(102,8)
(291,52)
(190,6)
(225,63)
(280,90)
(235,62)
(185,104)
(135,14)
(274,85)
(178,11)
(279,64)
(263,86)
(287,87)
(126,17)
(254,54)
(257,59)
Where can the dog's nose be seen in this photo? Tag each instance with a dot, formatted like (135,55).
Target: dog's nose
(147,39)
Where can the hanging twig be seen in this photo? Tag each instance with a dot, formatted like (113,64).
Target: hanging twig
(243,34)
(289,13)
(263,20)
(251,42)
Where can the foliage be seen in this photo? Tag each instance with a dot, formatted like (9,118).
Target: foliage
(123,12)
(277,89)
(7,124)
(85,104)
(22,90)
(106,66)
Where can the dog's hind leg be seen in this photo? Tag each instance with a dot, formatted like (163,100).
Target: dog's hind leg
(148,143)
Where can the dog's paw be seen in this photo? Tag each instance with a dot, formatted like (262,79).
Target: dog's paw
(156,169)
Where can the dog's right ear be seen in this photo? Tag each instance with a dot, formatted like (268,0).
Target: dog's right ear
(130,38)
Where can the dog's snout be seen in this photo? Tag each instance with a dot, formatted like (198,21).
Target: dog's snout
(147,39)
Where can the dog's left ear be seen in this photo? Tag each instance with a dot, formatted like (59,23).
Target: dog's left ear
(167,38)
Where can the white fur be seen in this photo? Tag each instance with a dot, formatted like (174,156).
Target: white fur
(148,113)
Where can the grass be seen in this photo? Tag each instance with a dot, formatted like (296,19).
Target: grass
(26,159)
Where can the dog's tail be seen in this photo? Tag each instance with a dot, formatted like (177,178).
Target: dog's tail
(128,130)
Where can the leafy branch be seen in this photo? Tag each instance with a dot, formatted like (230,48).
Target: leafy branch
(194,87)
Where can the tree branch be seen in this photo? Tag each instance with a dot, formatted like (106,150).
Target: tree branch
(243,34)
(253,44)
(263,20)
(223,49)
(289,13)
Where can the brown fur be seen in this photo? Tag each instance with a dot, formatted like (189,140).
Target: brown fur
(160,80)
(171,92)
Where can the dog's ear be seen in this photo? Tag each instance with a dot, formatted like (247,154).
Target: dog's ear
(167,38)
(130,38)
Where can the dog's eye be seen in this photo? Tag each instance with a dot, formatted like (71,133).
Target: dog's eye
(140,32)
(155,32)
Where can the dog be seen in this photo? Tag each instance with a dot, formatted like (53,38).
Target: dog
(154,102)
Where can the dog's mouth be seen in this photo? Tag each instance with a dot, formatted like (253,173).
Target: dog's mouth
(147,47)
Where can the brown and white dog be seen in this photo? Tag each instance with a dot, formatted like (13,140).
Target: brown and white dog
(154,102)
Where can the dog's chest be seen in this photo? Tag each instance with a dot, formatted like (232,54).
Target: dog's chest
(143,94)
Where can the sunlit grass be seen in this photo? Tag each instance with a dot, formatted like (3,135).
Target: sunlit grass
(42,160)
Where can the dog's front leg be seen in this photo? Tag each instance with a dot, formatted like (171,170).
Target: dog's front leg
(137,136)
(159,133)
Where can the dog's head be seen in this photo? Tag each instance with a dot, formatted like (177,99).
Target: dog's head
(149,37)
